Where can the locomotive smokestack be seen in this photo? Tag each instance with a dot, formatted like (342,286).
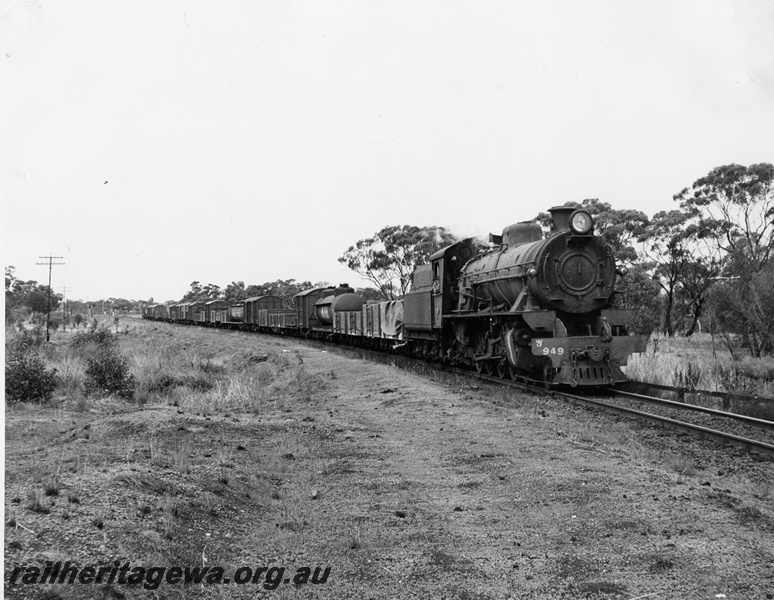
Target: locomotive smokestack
(577,220)
(560,216)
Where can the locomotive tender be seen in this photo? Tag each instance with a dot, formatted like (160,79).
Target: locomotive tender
(531,308)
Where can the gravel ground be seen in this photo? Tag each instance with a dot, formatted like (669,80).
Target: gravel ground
(407,486)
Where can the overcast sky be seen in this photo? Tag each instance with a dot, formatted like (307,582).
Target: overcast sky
(152,143)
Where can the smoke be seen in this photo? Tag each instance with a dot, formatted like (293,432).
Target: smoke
(463,231)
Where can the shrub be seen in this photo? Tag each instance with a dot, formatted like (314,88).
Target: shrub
(165,384)
(94,345)
(108,372)
(26,375)
(162,384)
(84,340)
(55,322)
(304,383)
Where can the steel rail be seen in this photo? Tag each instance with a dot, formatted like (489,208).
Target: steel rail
(729,438)
(686,406)
(747,444)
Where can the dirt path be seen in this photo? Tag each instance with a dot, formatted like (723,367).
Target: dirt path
(505,498)
(406,487)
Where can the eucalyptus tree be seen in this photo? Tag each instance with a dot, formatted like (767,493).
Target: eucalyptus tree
(389,257)
(202,293)
(733,211)
(665,247)
(734,207)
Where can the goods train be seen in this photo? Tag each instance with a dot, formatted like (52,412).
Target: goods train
(533,308)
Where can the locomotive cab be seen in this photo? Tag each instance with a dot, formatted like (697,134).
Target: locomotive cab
(434,291)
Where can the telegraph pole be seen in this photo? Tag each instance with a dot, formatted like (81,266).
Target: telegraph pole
(50,263)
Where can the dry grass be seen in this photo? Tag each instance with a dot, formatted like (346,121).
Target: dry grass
(71,374)
(355,537)
(182,367)
(156,453)
(698,363)
(181,455)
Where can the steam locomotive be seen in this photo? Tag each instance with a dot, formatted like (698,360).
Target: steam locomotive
(532,308)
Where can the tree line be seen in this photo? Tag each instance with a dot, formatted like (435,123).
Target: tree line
(705,263)
(28,301)
(26,297)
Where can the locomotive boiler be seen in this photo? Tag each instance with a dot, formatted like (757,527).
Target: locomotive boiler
(572,271)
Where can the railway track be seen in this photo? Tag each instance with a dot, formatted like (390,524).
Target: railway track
(762,443)
(752,421)
(737,429)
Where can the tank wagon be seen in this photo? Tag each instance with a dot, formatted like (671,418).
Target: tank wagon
(533,308)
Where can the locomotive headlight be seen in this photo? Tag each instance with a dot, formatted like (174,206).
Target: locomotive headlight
(622,271)
(580,222)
